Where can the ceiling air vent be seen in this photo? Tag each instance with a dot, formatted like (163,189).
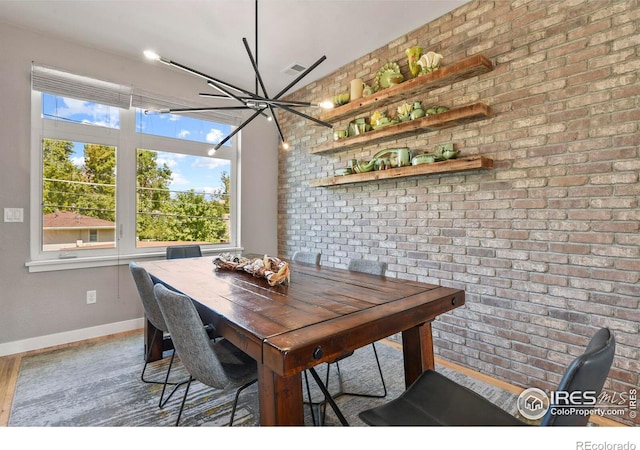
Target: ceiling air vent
(294,69)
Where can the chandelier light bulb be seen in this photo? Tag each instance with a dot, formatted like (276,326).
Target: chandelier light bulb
(150,54)
(326,104)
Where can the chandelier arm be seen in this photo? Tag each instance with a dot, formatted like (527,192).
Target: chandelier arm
(240,127)
(255,68)
(204,109)
(206,77)
(306,116)
(226,92)
(255,37)
(247,99)
(300,77)
(244,102)
(265,100)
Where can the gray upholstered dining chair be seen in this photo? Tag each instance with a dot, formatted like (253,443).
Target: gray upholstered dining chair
(367,266)
(183,251)
(218,364)
(434,399)
(378,268)
(307,257)
(144,285)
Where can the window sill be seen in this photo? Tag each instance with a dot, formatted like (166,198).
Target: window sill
(50,265)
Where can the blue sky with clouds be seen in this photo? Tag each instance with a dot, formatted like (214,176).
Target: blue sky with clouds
(201,173)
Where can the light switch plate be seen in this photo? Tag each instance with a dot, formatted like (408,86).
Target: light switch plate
(14,215)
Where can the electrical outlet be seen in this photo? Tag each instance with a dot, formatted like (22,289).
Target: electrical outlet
(91,297)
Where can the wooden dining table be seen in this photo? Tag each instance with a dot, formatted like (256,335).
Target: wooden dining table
(322,313)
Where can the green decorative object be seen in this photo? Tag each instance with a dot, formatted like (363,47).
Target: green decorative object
(387,76)
(394,157)
(413,55)
(417,111)
(429,62)
(423,158)
(404,112)
(446,151)
(365,166)
(341,99)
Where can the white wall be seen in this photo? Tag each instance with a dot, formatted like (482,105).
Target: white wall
(52,304)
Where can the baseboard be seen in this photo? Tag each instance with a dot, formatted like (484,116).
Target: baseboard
(40,342)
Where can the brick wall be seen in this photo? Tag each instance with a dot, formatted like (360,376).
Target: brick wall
(547,244)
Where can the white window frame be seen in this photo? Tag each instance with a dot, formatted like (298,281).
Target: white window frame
(127,141)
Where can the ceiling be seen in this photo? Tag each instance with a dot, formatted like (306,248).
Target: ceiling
(206,35)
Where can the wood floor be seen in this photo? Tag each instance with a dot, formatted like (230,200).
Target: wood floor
(10,367)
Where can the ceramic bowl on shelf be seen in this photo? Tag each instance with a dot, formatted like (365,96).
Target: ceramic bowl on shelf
(395,157)
(423,158)
(446,151)
(450,154)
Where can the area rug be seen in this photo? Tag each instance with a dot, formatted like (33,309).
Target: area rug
(98,384)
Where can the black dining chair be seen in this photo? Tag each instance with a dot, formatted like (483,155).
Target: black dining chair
(144,285)
(219,364)
(434,399)
(183,251)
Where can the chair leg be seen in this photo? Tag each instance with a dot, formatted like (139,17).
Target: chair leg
(358,394)
(320,406)
(184,399)
(311,404)
(175,385)
(235,401)
(166,381)
(328,397)
(146,358)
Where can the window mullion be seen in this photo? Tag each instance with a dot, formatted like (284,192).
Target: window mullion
(126,184)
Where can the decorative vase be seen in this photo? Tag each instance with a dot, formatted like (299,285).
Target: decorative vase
(413,55)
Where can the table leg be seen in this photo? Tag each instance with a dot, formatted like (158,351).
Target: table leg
(152,347)
(417,346)
(157,346)
(280,398)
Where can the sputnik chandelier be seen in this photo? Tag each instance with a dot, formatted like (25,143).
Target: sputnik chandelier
(260,104)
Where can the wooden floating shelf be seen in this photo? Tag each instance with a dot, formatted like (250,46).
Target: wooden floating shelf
(451,118)
(446,75)
(452,165)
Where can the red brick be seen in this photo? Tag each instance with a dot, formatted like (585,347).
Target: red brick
(546,243)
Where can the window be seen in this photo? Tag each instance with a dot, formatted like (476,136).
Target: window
(113,180)
(181,198)
(78,195)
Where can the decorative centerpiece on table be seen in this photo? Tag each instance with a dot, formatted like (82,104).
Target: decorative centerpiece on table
(274,270)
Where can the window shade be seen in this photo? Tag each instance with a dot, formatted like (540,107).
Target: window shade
(65,84)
